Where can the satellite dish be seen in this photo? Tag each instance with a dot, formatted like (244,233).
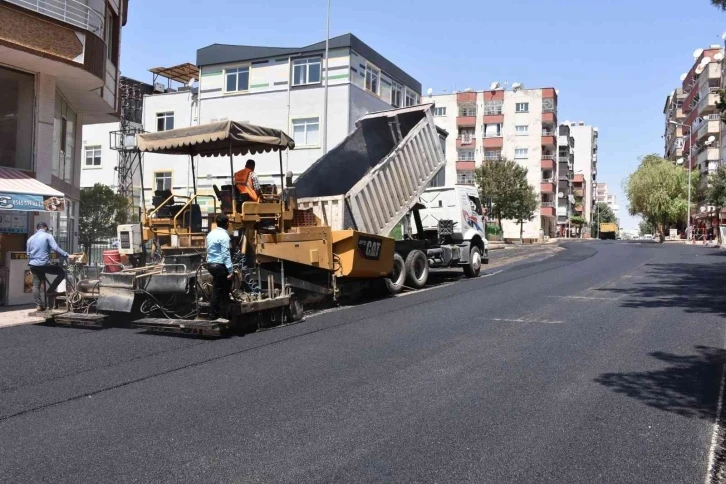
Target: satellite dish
(697,53)
(516,85)
(679,161)
(683,76)
(557,91)
(468,89)
(560,195)
(429,91)
(711,139)
(718,56)
(191,82)
(705,60)
(494,85)
(699,68)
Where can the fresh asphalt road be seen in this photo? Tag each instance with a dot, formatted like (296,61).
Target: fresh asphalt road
(599,364)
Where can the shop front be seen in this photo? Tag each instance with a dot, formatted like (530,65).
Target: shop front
(24,202)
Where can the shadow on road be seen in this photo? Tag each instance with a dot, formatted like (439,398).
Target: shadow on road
(695,288)
(685,387)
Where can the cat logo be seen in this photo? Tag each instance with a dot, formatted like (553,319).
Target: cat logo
(370,247)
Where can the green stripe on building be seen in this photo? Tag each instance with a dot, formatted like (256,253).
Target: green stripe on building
(266,84)
(339,76)
(210,74)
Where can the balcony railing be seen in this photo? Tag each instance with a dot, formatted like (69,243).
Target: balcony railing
(71,12)
(548,157)
(492,135)
(564,178)
(492,157)
(548,204)
(548,133)
(549,110)
(548,180)
(712,117)
(491,111)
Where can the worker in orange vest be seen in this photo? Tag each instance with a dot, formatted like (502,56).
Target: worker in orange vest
(247,183)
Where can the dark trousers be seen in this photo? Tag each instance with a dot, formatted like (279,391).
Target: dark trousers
(39,275)
(220,290)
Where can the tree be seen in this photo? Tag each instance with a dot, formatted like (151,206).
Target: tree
(525,201)
(716,191)
(578,222)
(101,210)
(495,180)
(602,214)
(645,227)
(719,4)
(658,192)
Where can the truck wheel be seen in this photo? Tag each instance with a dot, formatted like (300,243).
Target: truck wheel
(473,268)
(417,269)
(394,284)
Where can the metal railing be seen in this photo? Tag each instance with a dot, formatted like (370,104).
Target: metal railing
(71,12)
(492,135)
(548,157)
(492,157)
(565,178)
(490,111)
(712,117)
(548,204)
(549,110)
(548,180)
(548,133)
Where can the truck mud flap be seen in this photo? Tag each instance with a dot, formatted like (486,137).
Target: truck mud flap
(116,292)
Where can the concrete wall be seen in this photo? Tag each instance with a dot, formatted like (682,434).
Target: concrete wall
(448,123)
(583,164)
(98,135)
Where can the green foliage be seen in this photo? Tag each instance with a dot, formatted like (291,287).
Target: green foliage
(645,227)
(496,180)
(649,159)
(720,4)
(577,220)
(606,214)
(525,201)
(101,210)
(716,192)
(658,191)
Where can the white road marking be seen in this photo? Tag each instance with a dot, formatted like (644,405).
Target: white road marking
(716,434)
(505,320)
(589,298)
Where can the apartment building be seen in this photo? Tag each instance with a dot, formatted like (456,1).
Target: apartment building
(517,124)
(282,88)
(585,168)
(565,172)
(603,195)
(59,71)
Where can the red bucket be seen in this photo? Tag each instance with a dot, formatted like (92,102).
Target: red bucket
(112,261)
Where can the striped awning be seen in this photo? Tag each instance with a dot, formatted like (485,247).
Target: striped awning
(20,191)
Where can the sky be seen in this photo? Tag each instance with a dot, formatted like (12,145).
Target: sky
(613,61)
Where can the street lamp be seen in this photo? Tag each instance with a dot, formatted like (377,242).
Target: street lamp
(690,169)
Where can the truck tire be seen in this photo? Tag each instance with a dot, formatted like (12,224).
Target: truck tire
(417,269)
(395,283)
(473,267)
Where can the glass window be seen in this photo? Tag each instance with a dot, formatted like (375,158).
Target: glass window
(467,111)
(493,130)
(64,139)
(522,130)
(465,177)
(521,107)
(237,79)
(520,152)
(306,131)
(93,156)
(492,155)
(397,94)
(466,155)
(162,180)
(411,98)
(372,79)
(439,111)
(164,121)
(306,71)
(17,105)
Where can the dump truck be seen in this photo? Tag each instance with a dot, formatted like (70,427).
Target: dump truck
(608,230)
(285,255)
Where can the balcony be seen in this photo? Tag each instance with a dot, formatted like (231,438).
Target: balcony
(491,142)
(548,162)
(465,165)
(547,186)
(709,127)
(578,193)
(579,178)
(549,138)
(493,157)
(465,121)
(709,154)
(548,209)
(466,97)
(71,12)
(549,117)
(465,141)
(578,208)
(493,118)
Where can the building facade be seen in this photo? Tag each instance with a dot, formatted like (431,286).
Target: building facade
(585,165)
(59,71)
(282,88)
(516,124)
(603,195)
(565,172)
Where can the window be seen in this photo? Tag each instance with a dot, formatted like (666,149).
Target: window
(411,98)
(467,111)
(521,107)
(492,155)
(465,177)
(493,130)
(17,107)
(306,132)
(164,121)
(162,180)
(397,95)
(373,76)
(237,79)
(439,111)
(520,152)
(475,205)
(466,155)
(64,136)
(305,71)
(93,156)
(522,130)
(493,107)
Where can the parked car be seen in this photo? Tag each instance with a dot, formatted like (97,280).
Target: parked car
(648,236)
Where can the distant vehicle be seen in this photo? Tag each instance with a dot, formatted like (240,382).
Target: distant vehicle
(648,237)
(608,230)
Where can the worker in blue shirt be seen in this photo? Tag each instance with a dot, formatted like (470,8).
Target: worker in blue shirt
(219,265)
(38,249)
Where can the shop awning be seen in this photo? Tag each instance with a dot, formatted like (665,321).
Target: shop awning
(215,139)
(20,191)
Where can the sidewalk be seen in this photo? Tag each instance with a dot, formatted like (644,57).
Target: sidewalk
(18,315)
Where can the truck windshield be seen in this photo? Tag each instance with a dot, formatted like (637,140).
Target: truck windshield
(475,205)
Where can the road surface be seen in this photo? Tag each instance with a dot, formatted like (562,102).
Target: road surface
(602,363)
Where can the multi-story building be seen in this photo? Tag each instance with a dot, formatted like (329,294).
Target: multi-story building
(565,165)
(674,118)
(585,164)
(516,124)
(603,195)
(59,68)
(282,88)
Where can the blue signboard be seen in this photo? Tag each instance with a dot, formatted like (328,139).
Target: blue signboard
(31,203)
